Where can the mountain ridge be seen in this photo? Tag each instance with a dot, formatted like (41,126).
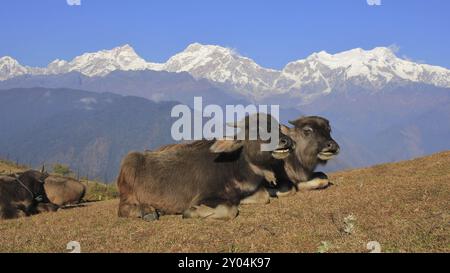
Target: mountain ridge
(318,74)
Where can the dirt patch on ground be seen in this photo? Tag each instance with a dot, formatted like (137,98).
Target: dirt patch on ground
(404,206)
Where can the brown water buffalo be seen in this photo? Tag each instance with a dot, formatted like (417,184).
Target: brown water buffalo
(313,146)
(20,195)
(202,179)
(63,191)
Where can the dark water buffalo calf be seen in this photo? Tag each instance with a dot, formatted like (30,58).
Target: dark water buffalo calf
(64,190)
(202,179)
(313,146)
(20,195)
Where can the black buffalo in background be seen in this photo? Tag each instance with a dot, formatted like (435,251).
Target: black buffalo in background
(21,194)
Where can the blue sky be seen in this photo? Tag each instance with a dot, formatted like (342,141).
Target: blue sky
(270,32)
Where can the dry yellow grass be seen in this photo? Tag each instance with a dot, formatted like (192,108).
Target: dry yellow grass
(7,167)
(404,206)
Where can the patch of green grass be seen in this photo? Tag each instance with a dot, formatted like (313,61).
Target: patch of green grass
(97,191)
(324,247)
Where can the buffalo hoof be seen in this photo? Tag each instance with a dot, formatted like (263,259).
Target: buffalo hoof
(188,213)
(151,217)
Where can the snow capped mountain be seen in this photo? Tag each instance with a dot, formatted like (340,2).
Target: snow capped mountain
(93,64)
(102,62)
(318,74)
(224,66)
(10,68)
(373,69)
(57,66)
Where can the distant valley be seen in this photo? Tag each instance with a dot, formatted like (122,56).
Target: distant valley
(90,132)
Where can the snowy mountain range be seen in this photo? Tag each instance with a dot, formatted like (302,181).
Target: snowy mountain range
(318,74)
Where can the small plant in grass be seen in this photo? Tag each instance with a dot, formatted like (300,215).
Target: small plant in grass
(233,248)
(324,247)
(349,224)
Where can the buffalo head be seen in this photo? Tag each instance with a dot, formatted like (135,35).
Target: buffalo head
(252,147)
(313,145)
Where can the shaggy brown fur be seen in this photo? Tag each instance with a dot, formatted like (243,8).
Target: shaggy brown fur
(64,190)
(199,179)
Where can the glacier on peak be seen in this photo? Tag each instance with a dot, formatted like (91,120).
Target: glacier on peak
(222,65)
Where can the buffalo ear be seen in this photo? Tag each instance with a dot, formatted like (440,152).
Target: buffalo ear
(297,121)
(43,168)
(284,129)
(225,146)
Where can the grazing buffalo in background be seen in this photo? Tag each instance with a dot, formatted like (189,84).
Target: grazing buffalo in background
(21,195)
(202,179)
(313,146)
(64,190)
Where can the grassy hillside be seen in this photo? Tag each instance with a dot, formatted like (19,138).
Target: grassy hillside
(404,206)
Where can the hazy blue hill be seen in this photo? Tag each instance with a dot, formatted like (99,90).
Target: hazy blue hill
(426,133)
(89,131)
(153,85)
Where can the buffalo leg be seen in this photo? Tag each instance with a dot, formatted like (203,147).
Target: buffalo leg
(212,209)
(24,210)
(148,213)
(319,181)
(261,196)
(46,207)
(10,212)
(282,190)
(129,210)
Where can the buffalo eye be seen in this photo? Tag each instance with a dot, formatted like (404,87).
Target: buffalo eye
(307,131)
